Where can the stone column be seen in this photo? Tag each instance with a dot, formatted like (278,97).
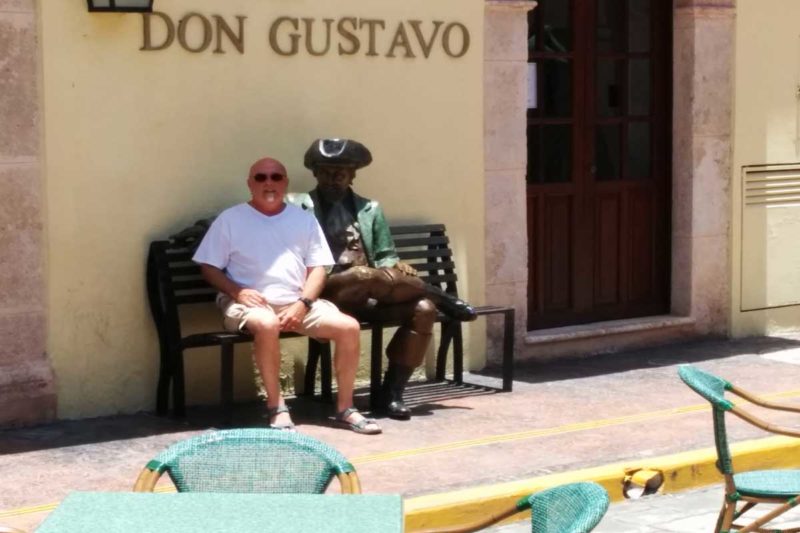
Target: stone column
(701,199)
(27,389)
(506,156)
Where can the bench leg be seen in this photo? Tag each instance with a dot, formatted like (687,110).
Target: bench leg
(458,354)
(178,388)
(310,378)
(376,367)
(226,381)
(444,347)
(164,378)
(508,350)
(327,372)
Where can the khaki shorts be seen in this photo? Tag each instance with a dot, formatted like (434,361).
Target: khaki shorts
(235,315)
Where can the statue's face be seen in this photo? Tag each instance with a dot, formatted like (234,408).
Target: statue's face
(333,182)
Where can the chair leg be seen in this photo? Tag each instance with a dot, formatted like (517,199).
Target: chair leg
(444,347)
(508,350)
(776,512)
(310,378)
(226,381)
(327,372)
(726,516)
(720,518)
(178,387)
(376,367)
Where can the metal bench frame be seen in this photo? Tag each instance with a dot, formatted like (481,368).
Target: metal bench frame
(173,281)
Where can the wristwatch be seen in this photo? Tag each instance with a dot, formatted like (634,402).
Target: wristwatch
(308,302)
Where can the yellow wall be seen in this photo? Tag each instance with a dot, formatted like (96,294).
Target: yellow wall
(140,144)
(766,268)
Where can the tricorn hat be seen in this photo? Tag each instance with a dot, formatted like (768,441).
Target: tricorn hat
(337,152)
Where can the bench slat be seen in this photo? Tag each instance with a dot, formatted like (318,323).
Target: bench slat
(404,242)
(188,284)
(179,255)
(185,271)
(428,267)
(196,297)
(422,228)
(446,278)
(424,254)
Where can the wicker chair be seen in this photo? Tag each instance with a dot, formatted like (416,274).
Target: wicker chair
(251,460)
(571,508)
(779,487)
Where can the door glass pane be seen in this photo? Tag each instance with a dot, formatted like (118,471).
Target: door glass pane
(554,89)
(549,154)
(608,88)
(610,27)
(606,152)
(639,87)
(639,150)
(638,25)
(549,27)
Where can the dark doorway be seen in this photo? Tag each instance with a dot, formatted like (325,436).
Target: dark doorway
(598,180)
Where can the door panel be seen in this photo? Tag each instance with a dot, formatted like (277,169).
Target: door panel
(598,160)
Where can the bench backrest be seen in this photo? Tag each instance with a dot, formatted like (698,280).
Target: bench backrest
(427,249)
(174,280)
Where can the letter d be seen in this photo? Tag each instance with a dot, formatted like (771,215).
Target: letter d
(147,43)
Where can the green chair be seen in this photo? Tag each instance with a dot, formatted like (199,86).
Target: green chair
(251,460)
(746,489)
(571,508)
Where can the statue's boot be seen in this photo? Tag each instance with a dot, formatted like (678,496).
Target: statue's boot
(394,384)
(450,305)
(406,352)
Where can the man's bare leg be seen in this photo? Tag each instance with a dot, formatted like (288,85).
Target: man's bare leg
(266,348)
(344,331)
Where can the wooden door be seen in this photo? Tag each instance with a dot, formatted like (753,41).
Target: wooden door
(598,180)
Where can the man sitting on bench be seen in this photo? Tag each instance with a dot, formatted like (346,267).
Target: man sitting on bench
(368,279)
(268,259)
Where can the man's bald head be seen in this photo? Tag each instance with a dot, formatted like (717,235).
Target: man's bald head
(267,165)
(268,182)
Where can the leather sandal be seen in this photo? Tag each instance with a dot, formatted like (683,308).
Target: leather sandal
(362,426)
(274,411)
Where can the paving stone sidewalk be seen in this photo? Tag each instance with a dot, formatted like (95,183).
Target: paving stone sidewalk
(562,416)
(691,511)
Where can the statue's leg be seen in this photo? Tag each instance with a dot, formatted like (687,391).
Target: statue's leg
(352,289)
(406,350)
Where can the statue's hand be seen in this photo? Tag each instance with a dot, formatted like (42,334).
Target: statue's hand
(406,269)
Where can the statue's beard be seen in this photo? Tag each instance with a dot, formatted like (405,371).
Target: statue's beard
(332,195)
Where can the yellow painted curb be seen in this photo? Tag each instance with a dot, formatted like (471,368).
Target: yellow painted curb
(681,471)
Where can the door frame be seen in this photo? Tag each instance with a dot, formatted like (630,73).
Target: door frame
(702,127)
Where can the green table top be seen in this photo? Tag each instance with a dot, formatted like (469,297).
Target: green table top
(110,512)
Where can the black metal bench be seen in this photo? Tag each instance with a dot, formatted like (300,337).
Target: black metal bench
(173,281)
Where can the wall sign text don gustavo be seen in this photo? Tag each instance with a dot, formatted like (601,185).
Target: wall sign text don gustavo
(291,36)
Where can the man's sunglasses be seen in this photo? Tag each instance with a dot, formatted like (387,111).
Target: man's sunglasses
(261,178)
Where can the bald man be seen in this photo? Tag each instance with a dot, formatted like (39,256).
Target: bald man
(267,259)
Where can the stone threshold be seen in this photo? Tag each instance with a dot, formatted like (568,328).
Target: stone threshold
(604,329)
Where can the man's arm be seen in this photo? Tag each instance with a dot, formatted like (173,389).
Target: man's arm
(217,279)
(291,316)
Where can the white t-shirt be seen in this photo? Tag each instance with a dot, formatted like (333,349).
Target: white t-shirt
(266,253)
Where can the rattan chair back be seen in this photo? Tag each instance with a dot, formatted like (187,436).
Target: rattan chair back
(745,490)
(252,460)
(713,388)
(571,508)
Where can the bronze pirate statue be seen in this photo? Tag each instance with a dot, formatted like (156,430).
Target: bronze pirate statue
(369,281)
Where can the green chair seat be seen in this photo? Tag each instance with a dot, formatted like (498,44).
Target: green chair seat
(768,483)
